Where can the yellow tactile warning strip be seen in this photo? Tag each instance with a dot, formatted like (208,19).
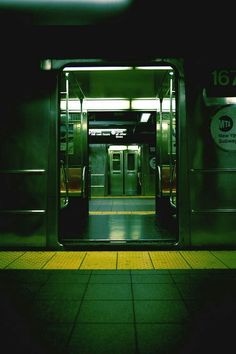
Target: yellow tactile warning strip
(100,260)
(65,260)
(118,260)
(134,260)
(121,212)
(7,258)
(202,260)
(168,259)
(31,260)
(228,257)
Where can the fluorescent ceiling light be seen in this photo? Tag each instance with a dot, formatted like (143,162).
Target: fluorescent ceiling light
(97,68)
(123,147)
(145,117)
(97,105)
(133,147)
(117,147)
(153,68)
(145,104)
(106,104)
(114,68)
(166,105)
(118,104)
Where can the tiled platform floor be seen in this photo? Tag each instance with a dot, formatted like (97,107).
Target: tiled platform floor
(46,307)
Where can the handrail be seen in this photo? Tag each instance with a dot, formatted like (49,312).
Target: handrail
(173,171)
(159,180)
(65,181)
(83,189)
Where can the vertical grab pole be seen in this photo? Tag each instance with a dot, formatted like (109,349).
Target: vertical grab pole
(171,139)
(65,165)
(160,151)
(67,128)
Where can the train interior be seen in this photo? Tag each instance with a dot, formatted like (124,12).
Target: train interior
(118,155)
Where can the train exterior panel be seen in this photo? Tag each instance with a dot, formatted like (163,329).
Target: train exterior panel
(52,163)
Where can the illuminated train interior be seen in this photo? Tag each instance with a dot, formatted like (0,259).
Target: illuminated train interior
(118,155)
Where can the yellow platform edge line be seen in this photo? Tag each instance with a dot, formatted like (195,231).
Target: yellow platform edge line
(119,260)
(124,197)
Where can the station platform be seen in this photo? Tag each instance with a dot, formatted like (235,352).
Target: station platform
(165,302)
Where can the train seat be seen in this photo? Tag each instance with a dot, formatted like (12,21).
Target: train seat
(166,180)
(74,181)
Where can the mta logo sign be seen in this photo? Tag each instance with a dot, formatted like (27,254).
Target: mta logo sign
(225,123)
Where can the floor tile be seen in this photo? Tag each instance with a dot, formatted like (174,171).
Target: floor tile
(112,311)
(53,338)
(110,278)
(24,276)
(56,290)
(55,311)
(155,292)
(111,271)
(69,276)
(108,292)
(160,311)
(151,279)
(160,338)
(149,271)
(103,339)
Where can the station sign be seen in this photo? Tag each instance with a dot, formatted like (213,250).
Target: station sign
(118,133)
(223,128)
(221,83)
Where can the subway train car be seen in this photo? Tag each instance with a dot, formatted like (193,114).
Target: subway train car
(113,136)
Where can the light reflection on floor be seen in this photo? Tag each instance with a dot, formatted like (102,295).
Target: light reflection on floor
(123,219)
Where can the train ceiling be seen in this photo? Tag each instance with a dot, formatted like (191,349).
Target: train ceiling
(135,83)
(126,84)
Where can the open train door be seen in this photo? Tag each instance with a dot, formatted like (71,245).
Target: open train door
(73,161)
(166,206)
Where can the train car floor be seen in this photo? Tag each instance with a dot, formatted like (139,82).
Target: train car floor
(129,204)
(130,219)
(156,302)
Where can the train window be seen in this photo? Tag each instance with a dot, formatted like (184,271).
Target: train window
(131,162)
(116,162)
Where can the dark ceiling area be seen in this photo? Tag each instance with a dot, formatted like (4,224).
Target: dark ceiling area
(115,29)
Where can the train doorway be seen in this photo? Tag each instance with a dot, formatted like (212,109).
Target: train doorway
(115,170)
(118,155)
(124,170)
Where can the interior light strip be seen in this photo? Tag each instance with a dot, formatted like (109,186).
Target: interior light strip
(153,68)
(145,104)
(98,105)
(123,147)
(97,68)
(114,68)
(118,105)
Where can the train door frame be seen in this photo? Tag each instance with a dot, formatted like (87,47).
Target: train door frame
(73,185)
(181,167)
